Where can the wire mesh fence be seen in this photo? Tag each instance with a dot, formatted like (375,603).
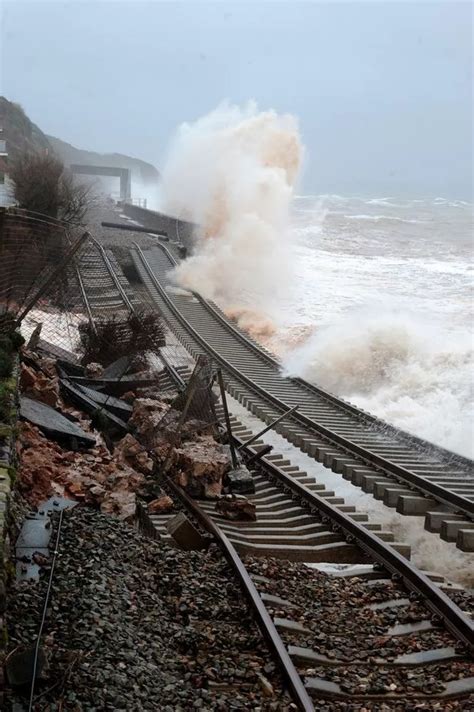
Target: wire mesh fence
(67,285)
(191,411)
(34,252)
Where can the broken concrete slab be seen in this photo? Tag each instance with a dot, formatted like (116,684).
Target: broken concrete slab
(117,368)
(80,398)
(69,368)
(54,424)
(115,386)
(185,533)
(116,406)
(57,351)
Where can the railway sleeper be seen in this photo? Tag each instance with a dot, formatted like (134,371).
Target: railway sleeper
(454,688)
(465,539)
(450,528)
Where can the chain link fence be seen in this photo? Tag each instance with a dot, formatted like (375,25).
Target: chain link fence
(34,253)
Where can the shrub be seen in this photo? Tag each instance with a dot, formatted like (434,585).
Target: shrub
(114,337)
(43,185)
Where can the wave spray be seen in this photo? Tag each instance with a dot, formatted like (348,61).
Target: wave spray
(233,172)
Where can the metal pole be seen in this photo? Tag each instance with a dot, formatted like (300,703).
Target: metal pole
(235,462)
(260,453)
(269,427)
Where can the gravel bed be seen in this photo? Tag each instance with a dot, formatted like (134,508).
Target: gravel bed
(342,627)
(137,625)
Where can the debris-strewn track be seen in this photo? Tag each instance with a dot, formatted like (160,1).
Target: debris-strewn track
(284,528)
(416,477)
(369,636)
(388,635)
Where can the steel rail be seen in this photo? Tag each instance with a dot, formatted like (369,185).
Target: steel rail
(432,489)
(85,298)
(264,621)
(458,622)
(381,425)
(112,273)
(435,599)
(180,382)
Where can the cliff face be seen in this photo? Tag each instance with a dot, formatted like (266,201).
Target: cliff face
(22,135)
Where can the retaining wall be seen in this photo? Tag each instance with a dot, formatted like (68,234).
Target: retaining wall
(9,387)
(177,230)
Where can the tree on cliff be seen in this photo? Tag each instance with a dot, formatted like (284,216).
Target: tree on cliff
(42,184)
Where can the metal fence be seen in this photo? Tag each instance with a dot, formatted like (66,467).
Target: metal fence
(34,253)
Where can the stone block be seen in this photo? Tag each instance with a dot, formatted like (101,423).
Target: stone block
(185,533)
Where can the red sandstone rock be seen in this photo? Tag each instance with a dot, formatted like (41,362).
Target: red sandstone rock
(38,386)
(147,414)
(161,505)
(92,477)
(121,504)
(129,451)
(200,465)
(236,507)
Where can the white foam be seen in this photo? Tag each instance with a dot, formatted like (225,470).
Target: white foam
(401,368)
(232,172)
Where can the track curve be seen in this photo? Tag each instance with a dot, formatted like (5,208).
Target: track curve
(415,476)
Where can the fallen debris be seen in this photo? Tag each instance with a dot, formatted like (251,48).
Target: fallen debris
(236,507)
(161,505)
(240,481)
(53,423)
(185,533)
(129,451)
(199,466)
(47,469)
(39,386)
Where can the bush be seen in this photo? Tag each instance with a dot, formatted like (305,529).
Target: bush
(114,337)
(43,185)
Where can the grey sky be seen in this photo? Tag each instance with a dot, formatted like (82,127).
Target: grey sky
(383,90)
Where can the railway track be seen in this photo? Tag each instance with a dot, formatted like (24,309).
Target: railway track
(410,474)
(103,286)
(387,633)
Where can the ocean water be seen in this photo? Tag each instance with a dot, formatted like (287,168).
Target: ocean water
(380,310)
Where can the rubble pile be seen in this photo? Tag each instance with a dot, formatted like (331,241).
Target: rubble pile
(41,386)
(95,477)
(195,460)
(112,480)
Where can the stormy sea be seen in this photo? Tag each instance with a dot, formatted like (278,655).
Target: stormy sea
(381,309)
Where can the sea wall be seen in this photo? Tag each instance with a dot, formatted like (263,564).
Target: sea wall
(177,230)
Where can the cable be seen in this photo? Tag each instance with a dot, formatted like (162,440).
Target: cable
(45,608)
